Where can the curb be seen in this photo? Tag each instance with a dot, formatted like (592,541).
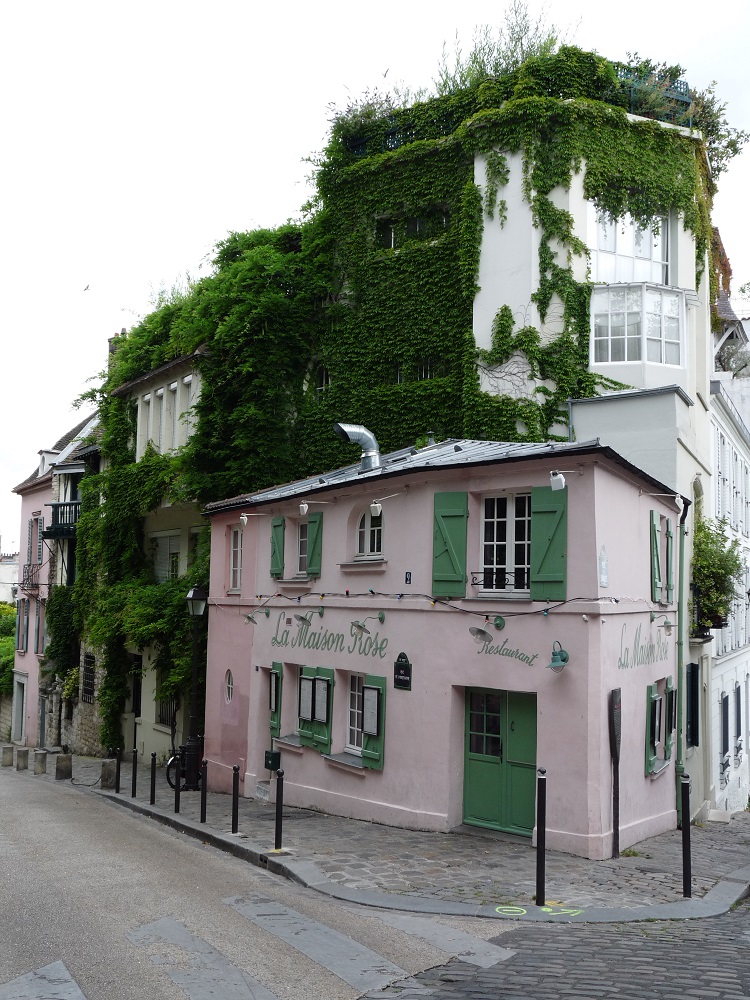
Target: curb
(721,898)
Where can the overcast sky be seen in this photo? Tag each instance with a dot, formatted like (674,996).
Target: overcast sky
(137,136)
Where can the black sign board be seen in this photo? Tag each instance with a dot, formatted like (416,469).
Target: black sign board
(402,672)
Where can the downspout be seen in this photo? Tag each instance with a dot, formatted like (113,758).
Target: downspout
(679,769)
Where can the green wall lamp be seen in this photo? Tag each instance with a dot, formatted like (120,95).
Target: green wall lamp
(667,626)
(560,657)
(359,628)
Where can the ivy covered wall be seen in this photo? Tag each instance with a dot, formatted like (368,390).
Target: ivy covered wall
(364,313)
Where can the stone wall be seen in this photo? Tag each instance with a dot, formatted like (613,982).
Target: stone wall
(6,715)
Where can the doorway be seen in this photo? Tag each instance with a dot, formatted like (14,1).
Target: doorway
(500,760)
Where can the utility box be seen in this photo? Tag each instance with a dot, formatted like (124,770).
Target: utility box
(273,760)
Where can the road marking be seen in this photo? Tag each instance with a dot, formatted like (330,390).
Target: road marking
(456,942)
(194,965)
(357,965)
(52,982)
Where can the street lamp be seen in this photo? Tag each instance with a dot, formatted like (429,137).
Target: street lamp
(196,602)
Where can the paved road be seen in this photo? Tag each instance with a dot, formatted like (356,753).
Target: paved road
(661,960)
(102,904)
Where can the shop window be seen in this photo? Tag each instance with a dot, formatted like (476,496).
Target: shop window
(315,702)
(661,723)
(366,719)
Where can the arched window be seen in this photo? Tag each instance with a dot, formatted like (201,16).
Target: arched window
(370,535)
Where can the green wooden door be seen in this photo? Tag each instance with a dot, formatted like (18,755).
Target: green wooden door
(500,760)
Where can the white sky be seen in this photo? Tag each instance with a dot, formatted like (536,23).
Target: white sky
(136,137)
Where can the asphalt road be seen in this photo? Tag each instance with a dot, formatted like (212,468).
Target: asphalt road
(101,904)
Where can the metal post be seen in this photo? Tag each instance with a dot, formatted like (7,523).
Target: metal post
(204,789)
(279,808)
(118,757)
(192,747)
(177,781)
(153,779)
(541,832)
(134,776)
(687,875)
(235,797)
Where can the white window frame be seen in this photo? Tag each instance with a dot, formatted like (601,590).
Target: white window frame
(173,561)
(512,569)
(235,557)
(622,252)
(370,536)
(355,714)
(302,539)
(638,340)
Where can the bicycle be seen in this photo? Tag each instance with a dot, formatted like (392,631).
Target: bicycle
(171,769)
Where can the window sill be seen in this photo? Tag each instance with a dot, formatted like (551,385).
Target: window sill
(364,565)
(502,595)
(296,582)
(658,771)
(346,761)
(290,742)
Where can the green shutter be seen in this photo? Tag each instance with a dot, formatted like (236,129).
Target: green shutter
(39,540)
(670,562)
(19,619)
(373,744)
(449,545)
(549,544)
(316,732)
(670,718)
(277,546)
(275,698)
(26,615)
(652,699)
(314,543)
(37,608)
(655,558)
(29,529)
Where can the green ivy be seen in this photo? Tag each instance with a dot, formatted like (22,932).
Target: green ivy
(330,319)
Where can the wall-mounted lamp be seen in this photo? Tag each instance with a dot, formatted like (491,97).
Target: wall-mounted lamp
(560,657)
(376,507)
(307,617)
(304,505)
(243,519)
(480,635)
(557,479)
(667,626)
(250,618)
(361,629)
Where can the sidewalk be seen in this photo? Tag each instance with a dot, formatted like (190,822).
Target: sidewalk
(470,872)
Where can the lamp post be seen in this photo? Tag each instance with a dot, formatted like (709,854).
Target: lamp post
(196,602)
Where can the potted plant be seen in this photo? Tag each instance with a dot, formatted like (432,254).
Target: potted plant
(717,570)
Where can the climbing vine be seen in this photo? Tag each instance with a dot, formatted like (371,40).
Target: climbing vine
(364,312)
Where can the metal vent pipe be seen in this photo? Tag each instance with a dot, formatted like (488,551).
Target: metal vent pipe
(360,435)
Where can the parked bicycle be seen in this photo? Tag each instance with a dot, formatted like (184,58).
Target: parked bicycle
(173,763)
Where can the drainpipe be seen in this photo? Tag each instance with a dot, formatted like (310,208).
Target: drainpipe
(681,623)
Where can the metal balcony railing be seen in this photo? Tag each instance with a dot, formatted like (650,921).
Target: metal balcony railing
(30,576)
(64,519)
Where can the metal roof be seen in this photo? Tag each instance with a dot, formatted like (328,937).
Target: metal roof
(453,453)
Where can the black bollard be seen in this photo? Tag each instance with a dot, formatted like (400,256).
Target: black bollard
(687,874)
(541,832)
(279,808)
(177,781)
(118,756)
(235,797)
(153,779)
(204,788)
(134,776)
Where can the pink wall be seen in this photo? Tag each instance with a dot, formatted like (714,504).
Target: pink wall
(421,784)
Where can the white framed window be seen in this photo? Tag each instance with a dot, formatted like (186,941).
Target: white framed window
(166,555)
(370,535)
(506,543)
(356,714)
(302,547)
(235,558)
(622,251)
(637,323)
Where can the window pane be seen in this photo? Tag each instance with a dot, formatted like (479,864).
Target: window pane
(606,234)
(493,747)
(618,349)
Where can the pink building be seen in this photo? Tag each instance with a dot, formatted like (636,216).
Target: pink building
(417,633)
